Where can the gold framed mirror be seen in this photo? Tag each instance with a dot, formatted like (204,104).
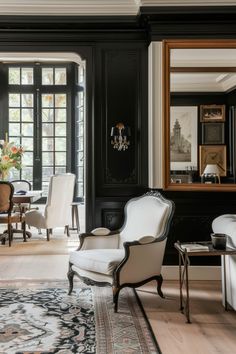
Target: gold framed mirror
(199,115)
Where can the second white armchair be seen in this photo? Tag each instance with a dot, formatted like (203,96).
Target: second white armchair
(57,212)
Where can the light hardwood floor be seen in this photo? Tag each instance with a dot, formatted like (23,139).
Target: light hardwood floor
(212,330)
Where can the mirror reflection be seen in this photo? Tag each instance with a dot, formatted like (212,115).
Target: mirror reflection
(202,121)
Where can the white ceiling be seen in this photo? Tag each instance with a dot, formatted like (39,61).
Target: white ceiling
(94,7)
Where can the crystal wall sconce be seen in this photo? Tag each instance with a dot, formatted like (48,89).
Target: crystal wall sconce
(120,137)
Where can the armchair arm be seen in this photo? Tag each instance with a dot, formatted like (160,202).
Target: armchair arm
(91,241)
(141,262)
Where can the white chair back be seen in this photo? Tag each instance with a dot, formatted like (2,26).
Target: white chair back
(60,197)
(148,215)
(21,185)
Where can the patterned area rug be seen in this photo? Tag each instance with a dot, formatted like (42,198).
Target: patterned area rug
(43,319)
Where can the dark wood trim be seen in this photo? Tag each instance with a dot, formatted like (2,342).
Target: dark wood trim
(185,44)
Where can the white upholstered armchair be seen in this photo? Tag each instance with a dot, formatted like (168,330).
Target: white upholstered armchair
(131,256)
(57,212)
(226,224)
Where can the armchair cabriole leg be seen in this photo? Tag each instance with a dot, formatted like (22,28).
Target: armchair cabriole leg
(48,234)
(115,297)
(9,234)
(159,284)
(24,231)
(70,276)
(67,230)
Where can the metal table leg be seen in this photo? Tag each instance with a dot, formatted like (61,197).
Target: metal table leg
(225,283)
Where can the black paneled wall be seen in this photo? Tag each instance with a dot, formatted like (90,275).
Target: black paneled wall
(122,98)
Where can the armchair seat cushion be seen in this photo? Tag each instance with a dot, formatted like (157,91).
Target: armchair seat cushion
(100,261)
(36,219)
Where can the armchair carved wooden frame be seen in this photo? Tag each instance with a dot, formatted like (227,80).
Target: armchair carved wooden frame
(129,257)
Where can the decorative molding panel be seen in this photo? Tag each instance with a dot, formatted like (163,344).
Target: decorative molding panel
(112,218)
(121,73)
(155,144)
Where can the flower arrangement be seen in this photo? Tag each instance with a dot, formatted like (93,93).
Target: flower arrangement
(10,157)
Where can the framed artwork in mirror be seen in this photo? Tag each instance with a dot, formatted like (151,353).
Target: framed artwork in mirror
(212,113)
(213,133)
(213,155)
(183,137)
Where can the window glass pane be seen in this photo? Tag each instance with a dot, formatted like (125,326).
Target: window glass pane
(47,129)
(27,114)
(81,114)
(80,74)
(81,143)
(27,100)
(80,190)
(47,115)
(60,158)
(47,158)
(14,114)
(27,158)
(80,174)
(47,76)
(15,174)
(47,173)
(27,129)
(81,98)
(15,140)
(60,100)
(60,144)
(14,129)
(27,76)
(80,158)
(47,144)
(47,100)
(27,173)
(14,76)
(60,115)
(45,188)
(14,100)
(60,170)
(81,129)
(60,129)
(60,76)
(28,143)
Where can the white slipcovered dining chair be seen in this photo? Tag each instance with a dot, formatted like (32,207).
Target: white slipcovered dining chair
(131,256)
(57,212)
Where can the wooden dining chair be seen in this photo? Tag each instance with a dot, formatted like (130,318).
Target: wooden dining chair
(6,215)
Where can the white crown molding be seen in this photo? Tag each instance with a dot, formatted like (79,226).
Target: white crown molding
(94,7)
(69,7)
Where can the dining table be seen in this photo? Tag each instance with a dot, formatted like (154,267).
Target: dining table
(28,197)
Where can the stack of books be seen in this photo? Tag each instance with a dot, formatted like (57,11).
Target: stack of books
(194,247)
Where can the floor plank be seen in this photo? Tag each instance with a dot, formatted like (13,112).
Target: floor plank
(213,330)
